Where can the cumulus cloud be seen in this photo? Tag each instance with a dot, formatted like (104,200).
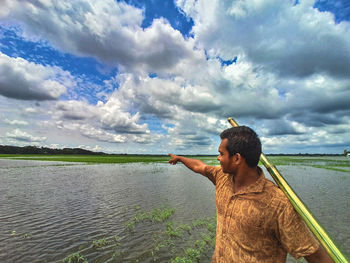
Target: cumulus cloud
(24,80)
(321,93)
(19,135)
(283,127)
(287,38)
(292,67)
(16,122)
(74,110)
(290,78)
(31,110)
(162,97)
(96,148)
(194,132)
(316,138)
(99,134)
(235,90)
(106,122)
(109,31)
(109,116)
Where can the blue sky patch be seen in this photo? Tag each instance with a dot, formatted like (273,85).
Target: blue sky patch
(340,8)
(166,9)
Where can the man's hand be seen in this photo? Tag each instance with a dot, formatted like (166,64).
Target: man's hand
(195,165)
(174,159)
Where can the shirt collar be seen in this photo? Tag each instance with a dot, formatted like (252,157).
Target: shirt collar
(256,187)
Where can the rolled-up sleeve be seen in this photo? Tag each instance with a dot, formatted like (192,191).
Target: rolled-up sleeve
(294,235)
(211,172)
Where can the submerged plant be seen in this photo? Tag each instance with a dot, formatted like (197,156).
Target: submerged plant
(100,243)
(156,215)
(27,235)
(116,239)
(184,243)
(130,225)
(173,238)
(75,258)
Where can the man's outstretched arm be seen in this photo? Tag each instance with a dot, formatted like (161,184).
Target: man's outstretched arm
(195,165)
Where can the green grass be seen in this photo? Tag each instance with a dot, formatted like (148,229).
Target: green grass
(91,158)
(156,215)
(75,258)
(332,168)
(291,160)
(100,243)
(327,162)
(100,158)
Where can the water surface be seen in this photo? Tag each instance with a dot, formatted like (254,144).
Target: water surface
(57,209)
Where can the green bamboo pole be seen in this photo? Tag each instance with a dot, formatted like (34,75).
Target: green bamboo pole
(299,206)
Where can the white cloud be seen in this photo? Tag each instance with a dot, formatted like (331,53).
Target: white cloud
(31,110)
(109,116)
(319,93)
(21,79)
(74,110)
(16,122)
(214,90)
(289,39)
(95,148)
(19,135)
(109,31)
(99,134)
(114,117)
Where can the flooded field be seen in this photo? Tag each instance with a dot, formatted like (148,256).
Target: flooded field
(138,212)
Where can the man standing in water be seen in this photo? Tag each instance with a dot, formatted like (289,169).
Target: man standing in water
(255,220)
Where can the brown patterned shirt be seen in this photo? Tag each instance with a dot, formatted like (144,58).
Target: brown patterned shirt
(256,224)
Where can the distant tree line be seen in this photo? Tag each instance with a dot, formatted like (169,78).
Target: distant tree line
(6,149)
(304,154)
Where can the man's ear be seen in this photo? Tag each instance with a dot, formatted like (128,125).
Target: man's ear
(238,158)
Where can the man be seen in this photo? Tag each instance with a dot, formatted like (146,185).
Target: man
(255,220)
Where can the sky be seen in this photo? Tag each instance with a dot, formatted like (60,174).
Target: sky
(154,77)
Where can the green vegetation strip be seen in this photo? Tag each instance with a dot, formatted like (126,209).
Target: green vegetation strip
(329,163)
(90,158)
(332,168)
(101,158)
(287,160)
(319,162)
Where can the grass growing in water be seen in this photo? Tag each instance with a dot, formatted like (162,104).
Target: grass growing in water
(155,215)
(191,242)
(75,258)
(100,243)
(90,158)
(104,242)
(103,158)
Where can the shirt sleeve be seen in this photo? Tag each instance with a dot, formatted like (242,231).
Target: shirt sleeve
(211,172)
(294,235)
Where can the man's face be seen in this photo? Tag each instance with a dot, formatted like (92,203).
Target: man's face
(224,158)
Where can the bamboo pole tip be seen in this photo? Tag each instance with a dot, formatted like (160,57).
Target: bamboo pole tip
(232,122)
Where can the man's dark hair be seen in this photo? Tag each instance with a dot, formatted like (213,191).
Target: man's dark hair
(245,141)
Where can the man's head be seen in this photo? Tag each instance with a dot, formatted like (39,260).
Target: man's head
(245,141)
